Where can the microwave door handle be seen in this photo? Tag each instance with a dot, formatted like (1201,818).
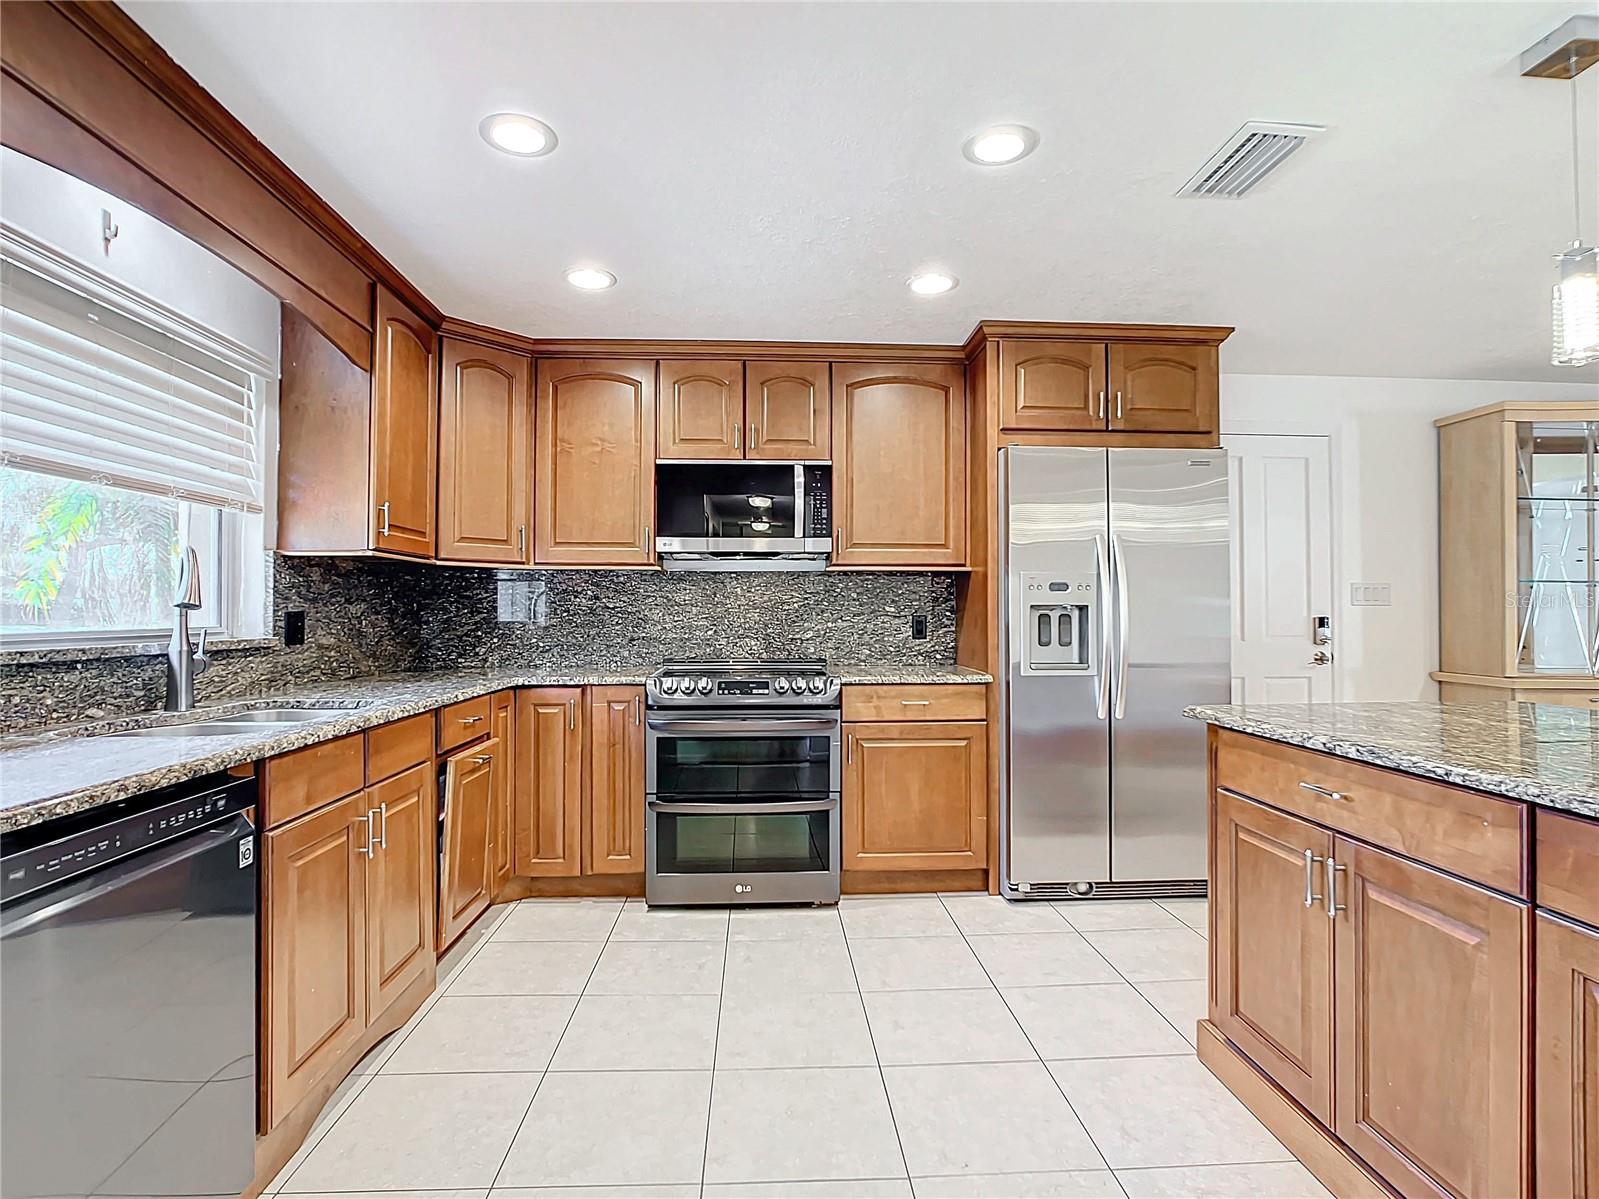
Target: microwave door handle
(784,807)
(1102,592)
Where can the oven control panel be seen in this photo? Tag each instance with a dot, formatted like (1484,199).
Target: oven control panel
(681,690)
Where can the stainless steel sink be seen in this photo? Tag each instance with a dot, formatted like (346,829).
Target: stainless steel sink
(281,715)
(238,722)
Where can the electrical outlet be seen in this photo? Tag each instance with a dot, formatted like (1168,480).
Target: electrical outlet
(918,627)
(1371,595)
(294,627)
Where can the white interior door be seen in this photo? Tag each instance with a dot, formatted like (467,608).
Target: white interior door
(1281,499)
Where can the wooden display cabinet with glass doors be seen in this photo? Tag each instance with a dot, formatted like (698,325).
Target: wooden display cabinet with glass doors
(1518,578)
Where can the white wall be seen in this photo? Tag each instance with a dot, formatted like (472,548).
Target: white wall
(1385,503)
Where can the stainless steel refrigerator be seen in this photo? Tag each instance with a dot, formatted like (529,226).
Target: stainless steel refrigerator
(1116,616)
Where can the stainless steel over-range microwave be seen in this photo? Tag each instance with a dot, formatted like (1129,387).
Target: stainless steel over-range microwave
(743,515)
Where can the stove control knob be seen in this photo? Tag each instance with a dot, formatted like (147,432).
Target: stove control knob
(818,685)
(780,685)
(703,686)
(668,686)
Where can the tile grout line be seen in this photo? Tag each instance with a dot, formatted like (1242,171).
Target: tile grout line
(309,1145)
(1104,1161)
(882,1077)
(716,1045)
(545,1073)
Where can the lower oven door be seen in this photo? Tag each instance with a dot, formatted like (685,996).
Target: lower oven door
(742,807)
(759,849)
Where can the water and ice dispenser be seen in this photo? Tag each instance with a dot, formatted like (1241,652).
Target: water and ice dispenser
(1058,616)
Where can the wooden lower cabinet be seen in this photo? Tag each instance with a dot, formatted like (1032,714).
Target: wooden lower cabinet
(547,783)
(1431,1027)
(465,875)
(1272,947)
(400,874)
(615,816)
(915,796)
(314,905)
(1566,1060)
(502,855)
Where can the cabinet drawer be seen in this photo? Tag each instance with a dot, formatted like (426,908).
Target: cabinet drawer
(1475,836)
(304,779)
(1566,861)
(463,722)
(916,701)
(392,748)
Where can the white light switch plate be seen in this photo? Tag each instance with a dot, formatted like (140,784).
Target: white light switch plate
(1371,595)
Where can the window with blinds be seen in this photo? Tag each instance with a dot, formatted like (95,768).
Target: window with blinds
(94,392)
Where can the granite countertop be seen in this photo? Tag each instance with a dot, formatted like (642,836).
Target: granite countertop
(58,772)
(1542,753)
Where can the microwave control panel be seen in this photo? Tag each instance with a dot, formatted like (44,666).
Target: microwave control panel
(818,501)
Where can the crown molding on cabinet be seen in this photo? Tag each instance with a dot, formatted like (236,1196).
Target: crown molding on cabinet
(987,331)
(620,347)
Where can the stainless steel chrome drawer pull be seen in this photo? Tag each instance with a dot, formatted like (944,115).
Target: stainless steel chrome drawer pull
(1310,877)
(470,719)
(1311,787)
(480,759)
(1333,906)
(916,703)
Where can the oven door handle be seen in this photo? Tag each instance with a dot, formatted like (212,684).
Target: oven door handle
(782,807)
(740,727)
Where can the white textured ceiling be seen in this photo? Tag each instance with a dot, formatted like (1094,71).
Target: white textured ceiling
(778,170)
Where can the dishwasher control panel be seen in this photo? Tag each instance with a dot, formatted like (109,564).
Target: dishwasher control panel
(30,862)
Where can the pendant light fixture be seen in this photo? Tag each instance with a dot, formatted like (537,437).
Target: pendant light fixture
(1565,54)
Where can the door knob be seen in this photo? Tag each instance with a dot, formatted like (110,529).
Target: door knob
(1320,658)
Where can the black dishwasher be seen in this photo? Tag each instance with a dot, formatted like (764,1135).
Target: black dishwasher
(128,997)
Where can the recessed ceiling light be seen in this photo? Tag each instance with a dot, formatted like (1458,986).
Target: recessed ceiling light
(933,283)
(517,134)
(1000,145)
(590,278)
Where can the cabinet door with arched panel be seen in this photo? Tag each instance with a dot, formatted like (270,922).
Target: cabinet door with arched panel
(1160,388)
(789,410)
(1052,385)
(701,408)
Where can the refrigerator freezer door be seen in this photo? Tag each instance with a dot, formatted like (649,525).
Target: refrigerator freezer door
(1056,765)
(1170,546)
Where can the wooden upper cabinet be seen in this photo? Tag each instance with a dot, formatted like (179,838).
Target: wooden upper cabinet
(701,409)
(1431,1012)
(547,782)
(899,464)
(314,946)
(788,410)
(915,796)
(615,815)
(1052,385)
(1565,1064)
(1156,388)
(1272,963)
(405,418)
(485,454)
(465,874)
(595,474)
(400,885)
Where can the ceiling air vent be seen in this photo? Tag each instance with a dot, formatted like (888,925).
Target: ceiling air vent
(1247,157)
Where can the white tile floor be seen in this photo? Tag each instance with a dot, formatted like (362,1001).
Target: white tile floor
(921,1046)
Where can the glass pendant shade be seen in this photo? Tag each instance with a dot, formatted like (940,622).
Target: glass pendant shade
(1576,307)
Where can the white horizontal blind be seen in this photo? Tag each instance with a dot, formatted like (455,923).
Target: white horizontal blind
(90,391)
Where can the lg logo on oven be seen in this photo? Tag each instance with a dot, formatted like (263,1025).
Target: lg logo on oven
(742,888)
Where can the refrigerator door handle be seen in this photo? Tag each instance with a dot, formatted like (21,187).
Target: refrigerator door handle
(1102,588)
(1119,585)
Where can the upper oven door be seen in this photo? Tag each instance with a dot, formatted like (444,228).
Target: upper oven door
(742,757)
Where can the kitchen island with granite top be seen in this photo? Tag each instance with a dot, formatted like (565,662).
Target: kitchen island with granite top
(1404,931)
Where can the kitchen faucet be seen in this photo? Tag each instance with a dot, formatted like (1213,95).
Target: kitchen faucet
(183,660)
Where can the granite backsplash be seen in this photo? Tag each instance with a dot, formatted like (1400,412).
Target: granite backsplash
(368,617)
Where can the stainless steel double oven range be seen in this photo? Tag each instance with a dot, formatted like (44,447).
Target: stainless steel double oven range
(742,779)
